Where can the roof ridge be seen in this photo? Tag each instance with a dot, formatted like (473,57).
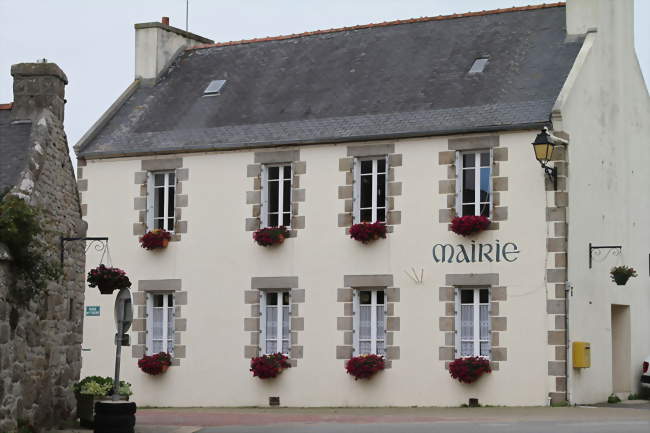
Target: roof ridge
(383,24)
(6,106)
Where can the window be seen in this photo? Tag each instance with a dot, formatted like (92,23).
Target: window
(276,312)
(369,317)
(475,183)
(478,65)
(276,189)
(160,323)
(474,322)
(161,200)
(370,190)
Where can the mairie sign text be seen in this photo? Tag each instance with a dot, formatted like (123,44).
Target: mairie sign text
(476,252)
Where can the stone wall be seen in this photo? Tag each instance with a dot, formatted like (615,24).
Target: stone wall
(40,343)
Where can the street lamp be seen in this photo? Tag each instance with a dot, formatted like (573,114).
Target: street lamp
(544,145)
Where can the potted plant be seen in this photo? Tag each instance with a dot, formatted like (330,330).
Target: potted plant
(269,236)
(366,232)
(469,224)
(365,366)
(108,279)
(620,274)
(469,369)
(155,239)
(155,364)
(269,366)
(92,389)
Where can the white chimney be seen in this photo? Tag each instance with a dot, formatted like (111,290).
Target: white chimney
(156,46)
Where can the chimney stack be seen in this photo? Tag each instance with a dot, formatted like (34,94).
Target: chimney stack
(157,45)
(38,86)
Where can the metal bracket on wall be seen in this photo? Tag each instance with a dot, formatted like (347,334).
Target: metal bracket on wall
(596,250)
(100,244)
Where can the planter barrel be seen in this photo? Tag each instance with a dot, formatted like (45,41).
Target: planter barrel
(86,407)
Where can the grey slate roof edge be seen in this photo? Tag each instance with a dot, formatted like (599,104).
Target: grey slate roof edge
(173,29)
(97,127)
(326,140)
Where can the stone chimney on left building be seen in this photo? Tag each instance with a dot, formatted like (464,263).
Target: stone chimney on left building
(38,86)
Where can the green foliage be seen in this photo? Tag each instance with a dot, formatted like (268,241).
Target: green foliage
(562,403)
(613,399)
(20,231)
(101,386)
(633,397)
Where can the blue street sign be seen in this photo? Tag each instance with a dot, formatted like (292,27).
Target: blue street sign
(92,310)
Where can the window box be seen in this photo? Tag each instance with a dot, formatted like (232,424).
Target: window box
(270,236)
(469,369)
(469,224)
(155,239)
(367,232)
(269,366)
(365,366)
(155,364)
(108,279)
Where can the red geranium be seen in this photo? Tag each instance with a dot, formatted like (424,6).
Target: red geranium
(270,235)
(155,364)
(268,366)
(468,370)
(365,366)
(156,238)
(469,224)
(107,279)
(366,232)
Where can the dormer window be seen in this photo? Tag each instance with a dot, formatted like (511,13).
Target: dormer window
(478,65)
(214,88)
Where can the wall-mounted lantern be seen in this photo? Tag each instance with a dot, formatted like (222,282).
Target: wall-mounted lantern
(544,145)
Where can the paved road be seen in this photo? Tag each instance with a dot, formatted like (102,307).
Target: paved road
(615,419)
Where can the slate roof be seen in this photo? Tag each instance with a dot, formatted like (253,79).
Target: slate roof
(14,149)
(401,79)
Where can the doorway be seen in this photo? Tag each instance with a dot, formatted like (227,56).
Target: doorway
(621,348)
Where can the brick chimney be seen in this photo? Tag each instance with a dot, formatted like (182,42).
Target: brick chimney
(38,86)
(157,45)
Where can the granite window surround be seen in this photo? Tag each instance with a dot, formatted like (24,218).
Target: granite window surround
(254,197)
(346,191)
(447,321)
(449,187)
(345,322)
(252,325)
(181,200)
(139,326)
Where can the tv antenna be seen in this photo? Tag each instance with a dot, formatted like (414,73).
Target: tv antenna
(187,15)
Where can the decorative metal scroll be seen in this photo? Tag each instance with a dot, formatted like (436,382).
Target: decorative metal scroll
(99,244)
(603,251)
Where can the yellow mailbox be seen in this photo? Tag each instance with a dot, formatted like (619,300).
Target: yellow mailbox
(581,354)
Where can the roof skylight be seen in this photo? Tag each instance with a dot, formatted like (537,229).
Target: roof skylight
(478,65)
(214,88)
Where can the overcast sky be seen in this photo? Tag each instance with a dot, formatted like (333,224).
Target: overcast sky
(93,40)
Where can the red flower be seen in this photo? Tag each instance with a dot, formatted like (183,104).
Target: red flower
(468,224)
(468,370)
(269,366)
(155,364)
(366,232)
(270,235)
(103,275)
(364,366)
(156,238)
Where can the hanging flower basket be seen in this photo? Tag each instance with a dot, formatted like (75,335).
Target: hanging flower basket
(620,274)
(270,236)
(155,239)
(365,366)
(468,370)
(367,232)
(469,224)
(269,366)
(108,279)
(155,364)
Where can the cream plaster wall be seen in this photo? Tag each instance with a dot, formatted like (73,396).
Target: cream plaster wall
(606,111)
(216,259)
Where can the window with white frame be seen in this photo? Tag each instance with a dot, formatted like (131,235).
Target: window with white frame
(276,199)
(475,183)
(369,322)
(276,320)
(370,186)
(160,323)
(161,200)
(473,322)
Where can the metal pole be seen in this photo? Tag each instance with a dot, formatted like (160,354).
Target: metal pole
(118,351)
(187,13)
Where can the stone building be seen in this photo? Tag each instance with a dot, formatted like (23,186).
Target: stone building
(40,339)
(410,123)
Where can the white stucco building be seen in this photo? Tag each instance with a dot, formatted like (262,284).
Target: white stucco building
(394,122)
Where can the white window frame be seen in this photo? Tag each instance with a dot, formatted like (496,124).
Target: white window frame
(374,338)
(166,320)
(476,339)
(477,181)
(278,339)
(264,211)
(357,188)
(151,199)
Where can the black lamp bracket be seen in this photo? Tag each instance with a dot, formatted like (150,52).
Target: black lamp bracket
(597,251)
(99,243)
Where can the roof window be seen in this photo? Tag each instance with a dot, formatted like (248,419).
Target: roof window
(214,88)
(478,65)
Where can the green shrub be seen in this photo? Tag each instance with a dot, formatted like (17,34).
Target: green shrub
(613,399)
(101,386)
